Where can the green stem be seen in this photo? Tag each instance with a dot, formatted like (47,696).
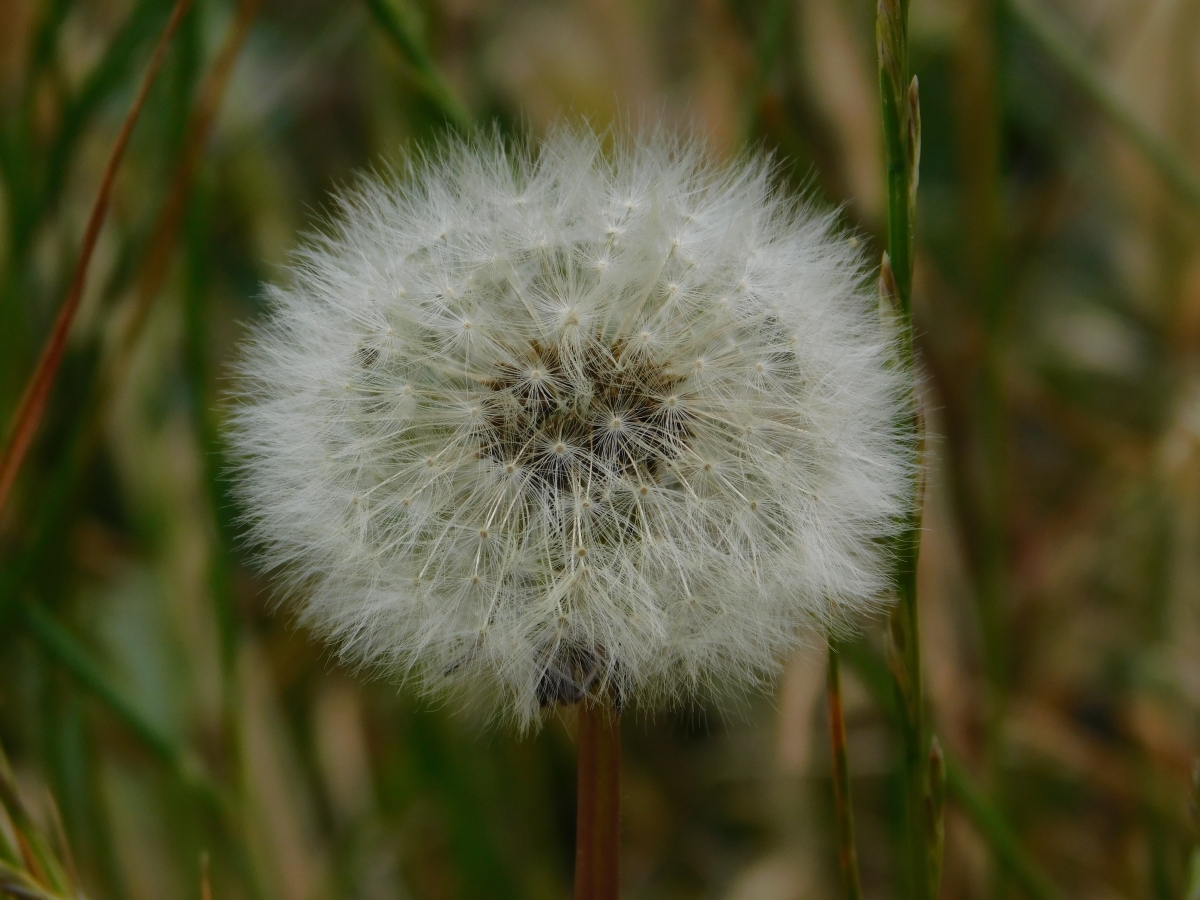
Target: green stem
(1076,66)
(398,24)
(847,855)
(902,142)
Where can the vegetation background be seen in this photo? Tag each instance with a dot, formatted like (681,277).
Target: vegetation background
(180,723)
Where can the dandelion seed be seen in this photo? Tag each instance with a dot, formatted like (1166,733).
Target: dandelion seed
(610,386)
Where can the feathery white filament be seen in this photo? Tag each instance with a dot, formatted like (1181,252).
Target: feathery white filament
(528,422)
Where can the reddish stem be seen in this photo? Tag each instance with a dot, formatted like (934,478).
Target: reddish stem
(37,392)
(598,822)
(841,782)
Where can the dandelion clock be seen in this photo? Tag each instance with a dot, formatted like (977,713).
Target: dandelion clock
(569,424)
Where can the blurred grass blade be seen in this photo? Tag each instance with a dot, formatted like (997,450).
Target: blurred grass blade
(205,883)
(17,150)
(107,76)
(992,825)
(1193,874)
(935,816)
(37,392)
(397,22)
(54,498)
(1076,66)
(19,884)
(990,821)
(170,220)
(63,647)
(189,771)
(770,44)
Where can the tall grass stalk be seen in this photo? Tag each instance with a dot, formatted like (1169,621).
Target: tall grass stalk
(902,141)
(770,45)
(990,820)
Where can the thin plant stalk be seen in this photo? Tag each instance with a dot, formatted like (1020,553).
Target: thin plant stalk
(902,140)
(37,393)
(598,812)
(847,855)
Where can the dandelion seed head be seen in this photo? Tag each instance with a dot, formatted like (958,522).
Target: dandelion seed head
(631,423)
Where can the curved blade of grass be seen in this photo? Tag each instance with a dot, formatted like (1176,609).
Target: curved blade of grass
(108,75)
(1076,66)
(37,393)
(1000,837)
(16,883)
(399,26)
(61,645)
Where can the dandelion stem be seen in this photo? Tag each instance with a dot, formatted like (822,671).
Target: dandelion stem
(841,781)
(37,392)
(598,821)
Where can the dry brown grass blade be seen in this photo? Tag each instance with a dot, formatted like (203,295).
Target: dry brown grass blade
(37,393)
(166,230)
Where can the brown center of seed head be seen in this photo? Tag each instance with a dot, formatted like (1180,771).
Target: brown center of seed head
(576,424)
(578,427)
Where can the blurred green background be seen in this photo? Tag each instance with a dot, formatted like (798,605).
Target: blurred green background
(149,680)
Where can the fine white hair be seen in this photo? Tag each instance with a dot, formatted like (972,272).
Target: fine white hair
(600,413)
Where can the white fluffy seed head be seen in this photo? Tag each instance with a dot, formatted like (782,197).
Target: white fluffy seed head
(533,423)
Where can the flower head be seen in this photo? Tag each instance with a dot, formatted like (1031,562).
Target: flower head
(532,423)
